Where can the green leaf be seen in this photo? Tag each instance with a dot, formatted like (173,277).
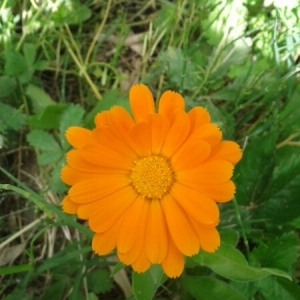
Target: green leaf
(41,65)
(145,284)
(72,116)
(39,98)
(15,63)
(43,140)
(231,264)
(207,288)
(49,118)
(230,237)
(281,203)
(99,281)
(174,60)
(7,86)
(254,172)
(48,157)
(281,253)
(56,183)
(118,267)
(278,288)
(11,117)
(15,269)
(29,51)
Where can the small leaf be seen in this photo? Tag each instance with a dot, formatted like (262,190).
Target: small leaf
(39,98)
(49,118)
(11,117)
(43,140)
(145,284)
(56,183)
(230,237)
(207,288)
(231,264)
(99,281)
(279,288)
(48,157)
(281,253)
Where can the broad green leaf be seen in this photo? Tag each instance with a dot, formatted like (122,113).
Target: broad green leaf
(231,264)
(7,86)
(281,198)
(49,118)
(281,253)
(174,60)
(207,288)
(48,157)
(254,172)
(279,288)
(39,98)
(43,140)
(145,284)
(99,281)
(29,51)
(229,236)
(11,118)
(15,63)
(72,116)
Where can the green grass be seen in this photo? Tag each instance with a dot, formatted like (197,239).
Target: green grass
(61,64)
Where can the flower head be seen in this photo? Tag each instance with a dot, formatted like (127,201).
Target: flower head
(149,183)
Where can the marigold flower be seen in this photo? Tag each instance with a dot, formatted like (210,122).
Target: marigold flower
(149,184)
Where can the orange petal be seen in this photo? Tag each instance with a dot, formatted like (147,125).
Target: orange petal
(173,264)
(71,176)
(142,264)
(181,230)
(210,133)
(78,136)
(77,162)
(94,189)
(141,138)
(105,242)
(141,102)
(219,192)
(105,136)
(191,154)
(159,126)
(156,239)
(178,133)
(107,209)
(132,255)
(209,237)
(101,119)
(199,116)
(131,222)
(106,212)
(208,173)
(227,150)
(169,102)
(105,157)
(121,122)
(195,204)
(69,206)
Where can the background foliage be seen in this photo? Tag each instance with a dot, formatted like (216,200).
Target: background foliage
(62,61)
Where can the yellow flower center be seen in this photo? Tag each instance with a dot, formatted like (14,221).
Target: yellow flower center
(152,176)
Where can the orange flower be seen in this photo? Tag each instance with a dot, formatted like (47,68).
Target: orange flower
(148,184)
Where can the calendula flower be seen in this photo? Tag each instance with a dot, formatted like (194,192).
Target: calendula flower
(149,183)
